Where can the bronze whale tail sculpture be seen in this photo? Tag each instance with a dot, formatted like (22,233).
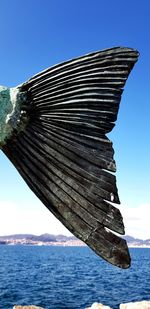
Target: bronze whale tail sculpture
(53,129)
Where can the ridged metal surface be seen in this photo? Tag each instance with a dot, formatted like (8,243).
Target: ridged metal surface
(64,154)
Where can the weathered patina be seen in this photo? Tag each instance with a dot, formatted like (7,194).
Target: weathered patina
(54,130)
(11,112)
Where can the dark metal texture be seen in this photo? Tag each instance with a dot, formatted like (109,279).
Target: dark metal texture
(63,153)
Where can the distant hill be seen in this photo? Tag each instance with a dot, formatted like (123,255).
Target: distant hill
(41,238)
(136,241)
(50,238)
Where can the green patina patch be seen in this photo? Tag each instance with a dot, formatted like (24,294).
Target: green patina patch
(5,109)
(11,101)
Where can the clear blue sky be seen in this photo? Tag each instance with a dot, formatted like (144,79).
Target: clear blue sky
(36,34)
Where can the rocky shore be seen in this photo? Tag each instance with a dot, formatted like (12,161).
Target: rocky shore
(132,305)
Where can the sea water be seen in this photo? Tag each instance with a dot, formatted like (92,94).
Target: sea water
(69,277)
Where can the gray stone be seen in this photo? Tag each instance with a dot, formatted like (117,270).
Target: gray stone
(27,307)
(136,305)
(98,306)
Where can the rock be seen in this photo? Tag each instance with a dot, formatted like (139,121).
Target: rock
(136,305)
(27,307)
(98,306)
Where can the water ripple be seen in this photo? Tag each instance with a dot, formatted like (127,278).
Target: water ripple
(69,278)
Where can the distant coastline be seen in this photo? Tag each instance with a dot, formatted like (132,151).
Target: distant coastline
(61,240)
(41,240)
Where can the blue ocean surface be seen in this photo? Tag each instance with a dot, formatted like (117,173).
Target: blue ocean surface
(69,277)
